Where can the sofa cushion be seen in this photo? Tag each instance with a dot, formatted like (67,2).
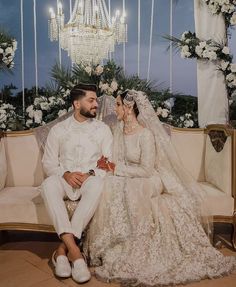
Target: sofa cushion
(3,165)
(23,161)
(22,205)
(218,166)
(216,201)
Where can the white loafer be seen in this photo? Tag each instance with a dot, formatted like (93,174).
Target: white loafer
(80,271)
(61,265)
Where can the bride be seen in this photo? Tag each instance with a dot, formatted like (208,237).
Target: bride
(150,228)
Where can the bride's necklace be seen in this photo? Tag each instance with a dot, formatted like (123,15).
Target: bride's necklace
(130,127)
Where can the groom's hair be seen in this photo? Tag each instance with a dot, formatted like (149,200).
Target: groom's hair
(79,91)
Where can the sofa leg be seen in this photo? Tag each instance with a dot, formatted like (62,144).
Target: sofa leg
(234,232)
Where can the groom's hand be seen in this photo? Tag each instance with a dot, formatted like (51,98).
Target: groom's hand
(74,179)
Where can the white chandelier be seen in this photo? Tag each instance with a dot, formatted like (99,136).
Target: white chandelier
(90,35)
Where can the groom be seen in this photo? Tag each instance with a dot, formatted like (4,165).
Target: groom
(70,161)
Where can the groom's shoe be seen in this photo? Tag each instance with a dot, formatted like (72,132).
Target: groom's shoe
(61,265)
(80,271)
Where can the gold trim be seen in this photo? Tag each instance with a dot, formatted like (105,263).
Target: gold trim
(19,133)
(197,130)
(222,219)
(228,130)
(27,227)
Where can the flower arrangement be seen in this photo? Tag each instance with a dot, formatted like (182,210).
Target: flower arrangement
(8,47)
(7,116)
(226,7)
(45,109)
(192,47)
(54,101)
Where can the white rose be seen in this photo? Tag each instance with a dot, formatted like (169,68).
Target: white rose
(29,123)
(233,68)
(230,77)
(8,50)
(224,8)
(3,126)
(212,56)
(37,101)
(51,100)
(213,8)
(99,70)
(114,85)
(3,117)
(181,118)
(185,54)
(30,111)
(198,51)
(1,51)
(183,37)
(62,112)
(104,87)
(233,19)
(164,113)
(224,65)
(88,70)
(44,106)
(159,111)
(38,116)
(225,50)
(185,48)
(203,44)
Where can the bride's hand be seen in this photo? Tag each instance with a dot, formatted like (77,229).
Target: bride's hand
(106,165)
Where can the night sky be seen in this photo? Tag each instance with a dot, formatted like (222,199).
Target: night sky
(184,78)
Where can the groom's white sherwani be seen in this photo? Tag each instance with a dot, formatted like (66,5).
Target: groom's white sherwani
(74,146)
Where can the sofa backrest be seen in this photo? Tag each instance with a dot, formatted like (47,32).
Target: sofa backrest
(24,167)
(190,146)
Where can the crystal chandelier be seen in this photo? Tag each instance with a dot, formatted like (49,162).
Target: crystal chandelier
(90,35)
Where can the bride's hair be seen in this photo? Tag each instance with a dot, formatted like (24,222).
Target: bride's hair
(122,96)
(79,91)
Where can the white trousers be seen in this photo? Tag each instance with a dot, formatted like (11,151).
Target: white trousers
(53,193)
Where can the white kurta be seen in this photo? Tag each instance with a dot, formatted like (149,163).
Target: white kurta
(74,146)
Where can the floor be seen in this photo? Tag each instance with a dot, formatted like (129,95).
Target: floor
(24,262)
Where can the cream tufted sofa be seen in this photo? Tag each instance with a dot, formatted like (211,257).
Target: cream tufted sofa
(22,208)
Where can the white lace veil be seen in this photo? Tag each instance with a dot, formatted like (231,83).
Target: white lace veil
(175,178)
(105,112)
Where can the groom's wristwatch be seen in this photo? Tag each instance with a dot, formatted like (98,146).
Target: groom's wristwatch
(91,172)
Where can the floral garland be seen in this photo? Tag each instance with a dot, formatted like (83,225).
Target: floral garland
(192,47)
(8,47)
(226,7)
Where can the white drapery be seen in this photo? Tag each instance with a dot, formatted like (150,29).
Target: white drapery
(212,94)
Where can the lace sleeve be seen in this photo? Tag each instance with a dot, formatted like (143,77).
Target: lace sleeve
(147,159)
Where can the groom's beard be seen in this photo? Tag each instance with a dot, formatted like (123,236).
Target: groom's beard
(88,114)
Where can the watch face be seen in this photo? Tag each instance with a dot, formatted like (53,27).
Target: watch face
(92,172)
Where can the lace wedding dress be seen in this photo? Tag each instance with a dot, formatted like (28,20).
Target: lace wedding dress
(148,229)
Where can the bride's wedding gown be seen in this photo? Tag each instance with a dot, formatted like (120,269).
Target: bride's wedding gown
(141,234)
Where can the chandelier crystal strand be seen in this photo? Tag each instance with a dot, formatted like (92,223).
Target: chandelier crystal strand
(90,34)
